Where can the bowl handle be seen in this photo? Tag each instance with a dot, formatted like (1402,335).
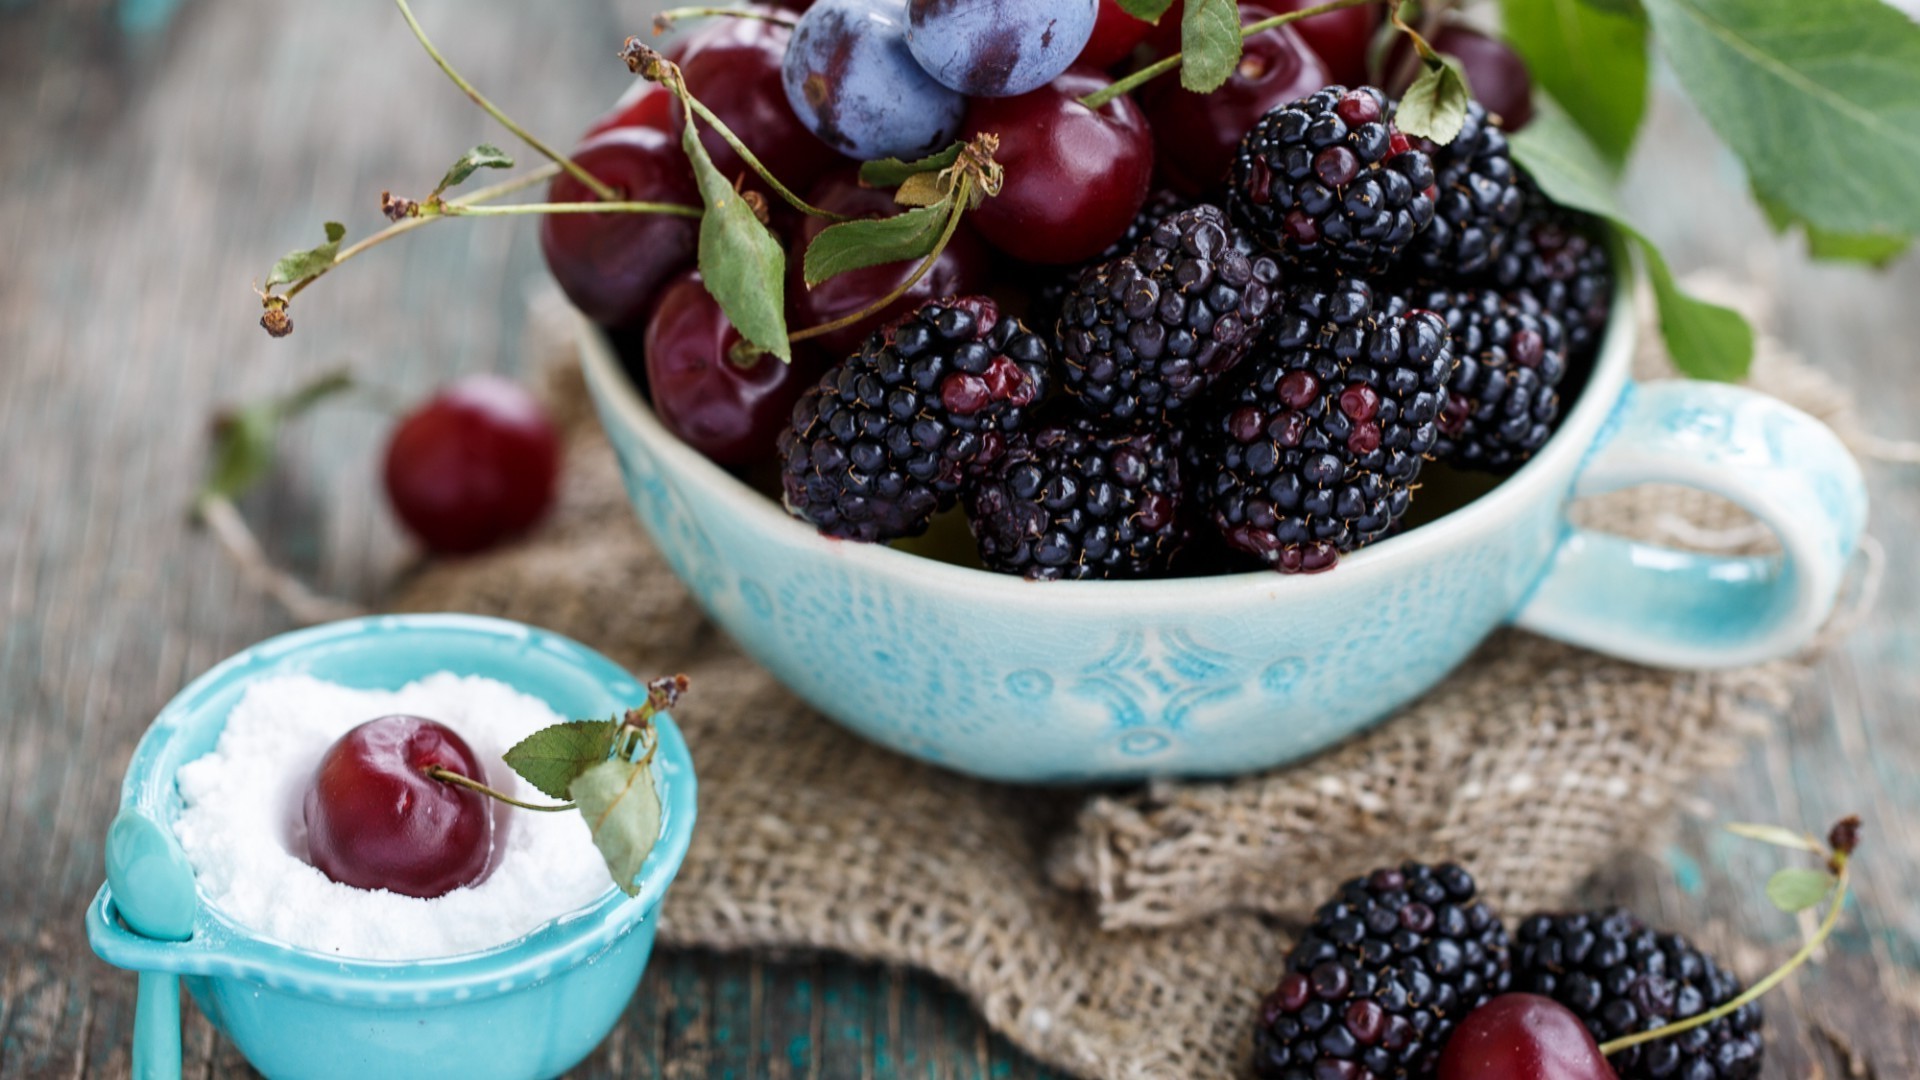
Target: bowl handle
(1672,608)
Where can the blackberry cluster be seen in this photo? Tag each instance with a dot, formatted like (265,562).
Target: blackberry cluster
(1618,976)
(886,438)
(1328,182)
(1503,401)
(1558,256)
(1051,294)
(1143,335)
(1316,451)
(1384,974)
(1479,200)
(1066,501)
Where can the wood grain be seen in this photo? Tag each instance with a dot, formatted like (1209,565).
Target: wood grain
(145,181)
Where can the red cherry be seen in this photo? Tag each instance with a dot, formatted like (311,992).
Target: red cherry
(1341,38)
(1075,176)
(1196,135)
(961,268)
(1115,35)
(474,465)
(1496,74)
(376,820)
(612,265)
(730,413)
(645,104)
(1523,1037)
(732,66)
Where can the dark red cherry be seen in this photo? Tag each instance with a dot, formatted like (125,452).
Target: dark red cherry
(732,66)
(1523,1037)
(612,265)
(1340,38)
(476,464)
(1197,135)
(1075,176)
(645,104)
(730,413)
(1496,74)
(376,820)
(961,268)
(1115,35)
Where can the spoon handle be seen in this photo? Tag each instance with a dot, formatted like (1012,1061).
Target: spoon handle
(156,1027)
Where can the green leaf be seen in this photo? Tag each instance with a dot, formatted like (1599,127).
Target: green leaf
(1209,43)
(1820,100)
(623,810)
(480,157)
(853,245)
(742,264)
(1146,10)
(1593,62)
(1616,7)
(1777,836)
(1795,889)
(1706,341)
(296,265)
(892,172)
(244,440)
(1435,106)
(1873,249)
(552,758)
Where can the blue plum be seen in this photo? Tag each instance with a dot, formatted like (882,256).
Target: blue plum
(853,82)
(998,48)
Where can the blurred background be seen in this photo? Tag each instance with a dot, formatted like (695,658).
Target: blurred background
(156,157)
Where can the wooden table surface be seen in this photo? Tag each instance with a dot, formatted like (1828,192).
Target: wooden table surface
(144,182)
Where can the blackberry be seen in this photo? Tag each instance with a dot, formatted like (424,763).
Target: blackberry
(1384,974)
(1557,255)
(1503,401)
(885,439)
(1051,295)
(1619,976)
(1479,200)
(1066,501)
(1315,453)
(1328,182)
(1143,335)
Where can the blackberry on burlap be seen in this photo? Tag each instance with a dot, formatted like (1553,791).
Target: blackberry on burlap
(1619,976)
(886,437)
(1383,975)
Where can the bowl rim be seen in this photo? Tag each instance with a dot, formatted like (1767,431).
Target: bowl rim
(221,947)
(1546,474)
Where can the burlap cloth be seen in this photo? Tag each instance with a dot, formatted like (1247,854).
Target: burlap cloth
(1124,933)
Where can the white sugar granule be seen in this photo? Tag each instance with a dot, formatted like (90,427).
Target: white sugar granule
(243,832)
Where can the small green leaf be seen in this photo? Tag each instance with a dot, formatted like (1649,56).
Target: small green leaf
(1593,61)
(892,172)
(244,440)
(853,245)
(623,811)
(1146,10)
(1209,44)
(742,264)
(1777,836)
(1435,106)
(480,157)
(1796,889)
(296,265)
(1873,249)
(552,758)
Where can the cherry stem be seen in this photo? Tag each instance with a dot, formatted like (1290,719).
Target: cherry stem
(456,210)
(472,198)
(962,192)
(593,183)
(1838,904)
(665,20)
(1165,64)
(307,607)
(448,776)
(1404,73)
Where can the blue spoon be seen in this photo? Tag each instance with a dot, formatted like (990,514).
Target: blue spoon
(152,885)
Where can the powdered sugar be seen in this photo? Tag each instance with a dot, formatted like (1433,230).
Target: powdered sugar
(243,833)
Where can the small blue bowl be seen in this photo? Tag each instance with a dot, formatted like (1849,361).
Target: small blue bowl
(530,1008)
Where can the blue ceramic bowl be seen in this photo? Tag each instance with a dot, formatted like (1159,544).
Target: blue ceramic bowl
(1114,680)
(531,1008)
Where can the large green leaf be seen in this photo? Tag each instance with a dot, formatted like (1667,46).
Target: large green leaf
(742,264)
(1873,249)
(1820,98)
(1593,62)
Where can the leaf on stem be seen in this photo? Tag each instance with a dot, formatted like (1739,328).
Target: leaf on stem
(892,172)
(622,810)
(855,245)
(1778,836)
(1873,249)
(1435,106)
(741,262)
(1146,10)
(552,758)
(480,157)
(1592,60)
(1209,43)
(244,439)
(296,265)
(1796,889)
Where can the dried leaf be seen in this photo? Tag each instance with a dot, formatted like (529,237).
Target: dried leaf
(622,809)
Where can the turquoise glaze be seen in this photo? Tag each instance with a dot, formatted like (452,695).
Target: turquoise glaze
(529,1009)
(1103,681)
